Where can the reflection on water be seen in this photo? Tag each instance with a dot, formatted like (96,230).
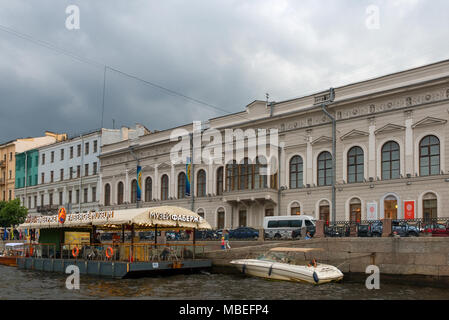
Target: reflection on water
(24,284)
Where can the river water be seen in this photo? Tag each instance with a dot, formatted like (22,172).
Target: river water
(25,284)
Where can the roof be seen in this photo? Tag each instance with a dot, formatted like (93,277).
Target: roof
(143,218)
(296,249)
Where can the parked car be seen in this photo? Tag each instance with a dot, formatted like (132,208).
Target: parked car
(287,227)
(403,229)
(437,229)
(206,235)
(309,227)
(244,233)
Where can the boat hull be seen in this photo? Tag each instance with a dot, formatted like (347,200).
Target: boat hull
(282,271)
(8,261)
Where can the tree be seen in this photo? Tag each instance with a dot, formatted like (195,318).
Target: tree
(12,213)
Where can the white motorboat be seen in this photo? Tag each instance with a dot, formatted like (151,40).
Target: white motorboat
(283,264)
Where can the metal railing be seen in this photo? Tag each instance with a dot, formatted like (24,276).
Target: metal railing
(126,252)
(400,227)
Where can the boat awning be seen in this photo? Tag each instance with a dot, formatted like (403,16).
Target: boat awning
(296,249)
(13,245)
(143,218)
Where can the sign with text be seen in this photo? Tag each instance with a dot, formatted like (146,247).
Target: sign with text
(409,209)
(371,211)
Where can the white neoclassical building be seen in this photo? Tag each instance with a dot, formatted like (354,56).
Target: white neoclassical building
(390,152)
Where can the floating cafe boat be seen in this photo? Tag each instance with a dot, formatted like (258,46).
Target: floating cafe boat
(284,264)
(70,240)
(11,252)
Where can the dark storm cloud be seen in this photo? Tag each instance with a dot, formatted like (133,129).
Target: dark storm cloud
(226,53)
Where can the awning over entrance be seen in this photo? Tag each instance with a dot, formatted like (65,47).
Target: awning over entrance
(144,218)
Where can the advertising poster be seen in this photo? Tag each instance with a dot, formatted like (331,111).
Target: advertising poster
(371,211)
(409,209)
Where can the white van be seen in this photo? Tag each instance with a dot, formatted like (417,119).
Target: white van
(282,227)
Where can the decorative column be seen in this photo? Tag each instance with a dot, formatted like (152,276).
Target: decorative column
(126,198)
(283,165)
(172,181)
(309,155)
(156,194)
(408,143)
(372,148)
(210,180)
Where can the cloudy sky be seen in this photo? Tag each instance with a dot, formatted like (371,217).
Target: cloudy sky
(225,53)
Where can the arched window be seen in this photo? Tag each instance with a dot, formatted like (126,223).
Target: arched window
(355,210)
(324,169)
(220,218)
(220,181)
(246,175)
(181,185)
(260,173)
(164,187)
(134,191)
(429,156)
(355,165)
(295,209)
(201,183)
(296,172)
(390,161)
(120,191)
(107,194)
(430,206)
(324,211)
(148,189)
(232,176)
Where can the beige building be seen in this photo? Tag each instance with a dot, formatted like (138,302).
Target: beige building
(390,148)
(8,152)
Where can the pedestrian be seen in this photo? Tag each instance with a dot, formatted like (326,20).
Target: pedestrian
(223,243)
(308,236)
(226,236)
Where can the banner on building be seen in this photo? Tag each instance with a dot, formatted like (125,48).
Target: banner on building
(188,167)
(139,183)
(409,209)
(371,211)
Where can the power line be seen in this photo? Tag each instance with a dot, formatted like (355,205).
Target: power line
(97,64)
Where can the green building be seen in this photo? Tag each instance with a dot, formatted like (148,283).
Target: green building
(31,171)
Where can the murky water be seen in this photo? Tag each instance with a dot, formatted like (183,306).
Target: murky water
(24,284)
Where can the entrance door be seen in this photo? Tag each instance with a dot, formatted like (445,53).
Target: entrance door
(430,209)
(355,210)
(242,218)
(324,213)
(391,208)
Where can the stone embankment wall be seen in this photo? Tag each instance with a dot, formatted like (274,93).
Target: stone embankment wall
(397,256)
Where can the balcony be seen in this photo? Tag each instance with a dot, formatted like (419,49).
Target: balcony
(260,196)
(48,209)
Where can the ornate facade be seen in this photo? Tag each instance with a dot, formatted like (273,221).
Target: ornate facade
(391,148)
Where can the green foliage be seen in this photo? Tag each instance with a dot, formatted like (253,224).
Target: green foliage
(12,213)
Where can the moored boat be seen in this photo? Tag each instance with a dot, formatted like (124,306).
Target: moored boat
(284,264)
(11,253)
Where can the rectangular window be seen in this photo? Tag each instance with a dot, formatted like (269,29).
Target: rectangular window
(95,169)
(77,196)
(86,169)
(10,156)
(42,178)
(60,199)
(51,176)
(50,199)
(78,151)
(70,196)
(61,174)
(86,148)
(71,152)
(62,154)
(52,157)
(71,172)
(78,171)
(95,146)
(35,202)
(42,199)
(94,194)
(85,195)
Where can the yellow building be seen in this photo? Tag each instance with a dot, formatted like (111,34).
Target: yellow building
(8,152)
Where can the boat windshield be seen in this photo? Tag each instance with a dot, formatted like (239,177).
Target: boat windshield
(284,257)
